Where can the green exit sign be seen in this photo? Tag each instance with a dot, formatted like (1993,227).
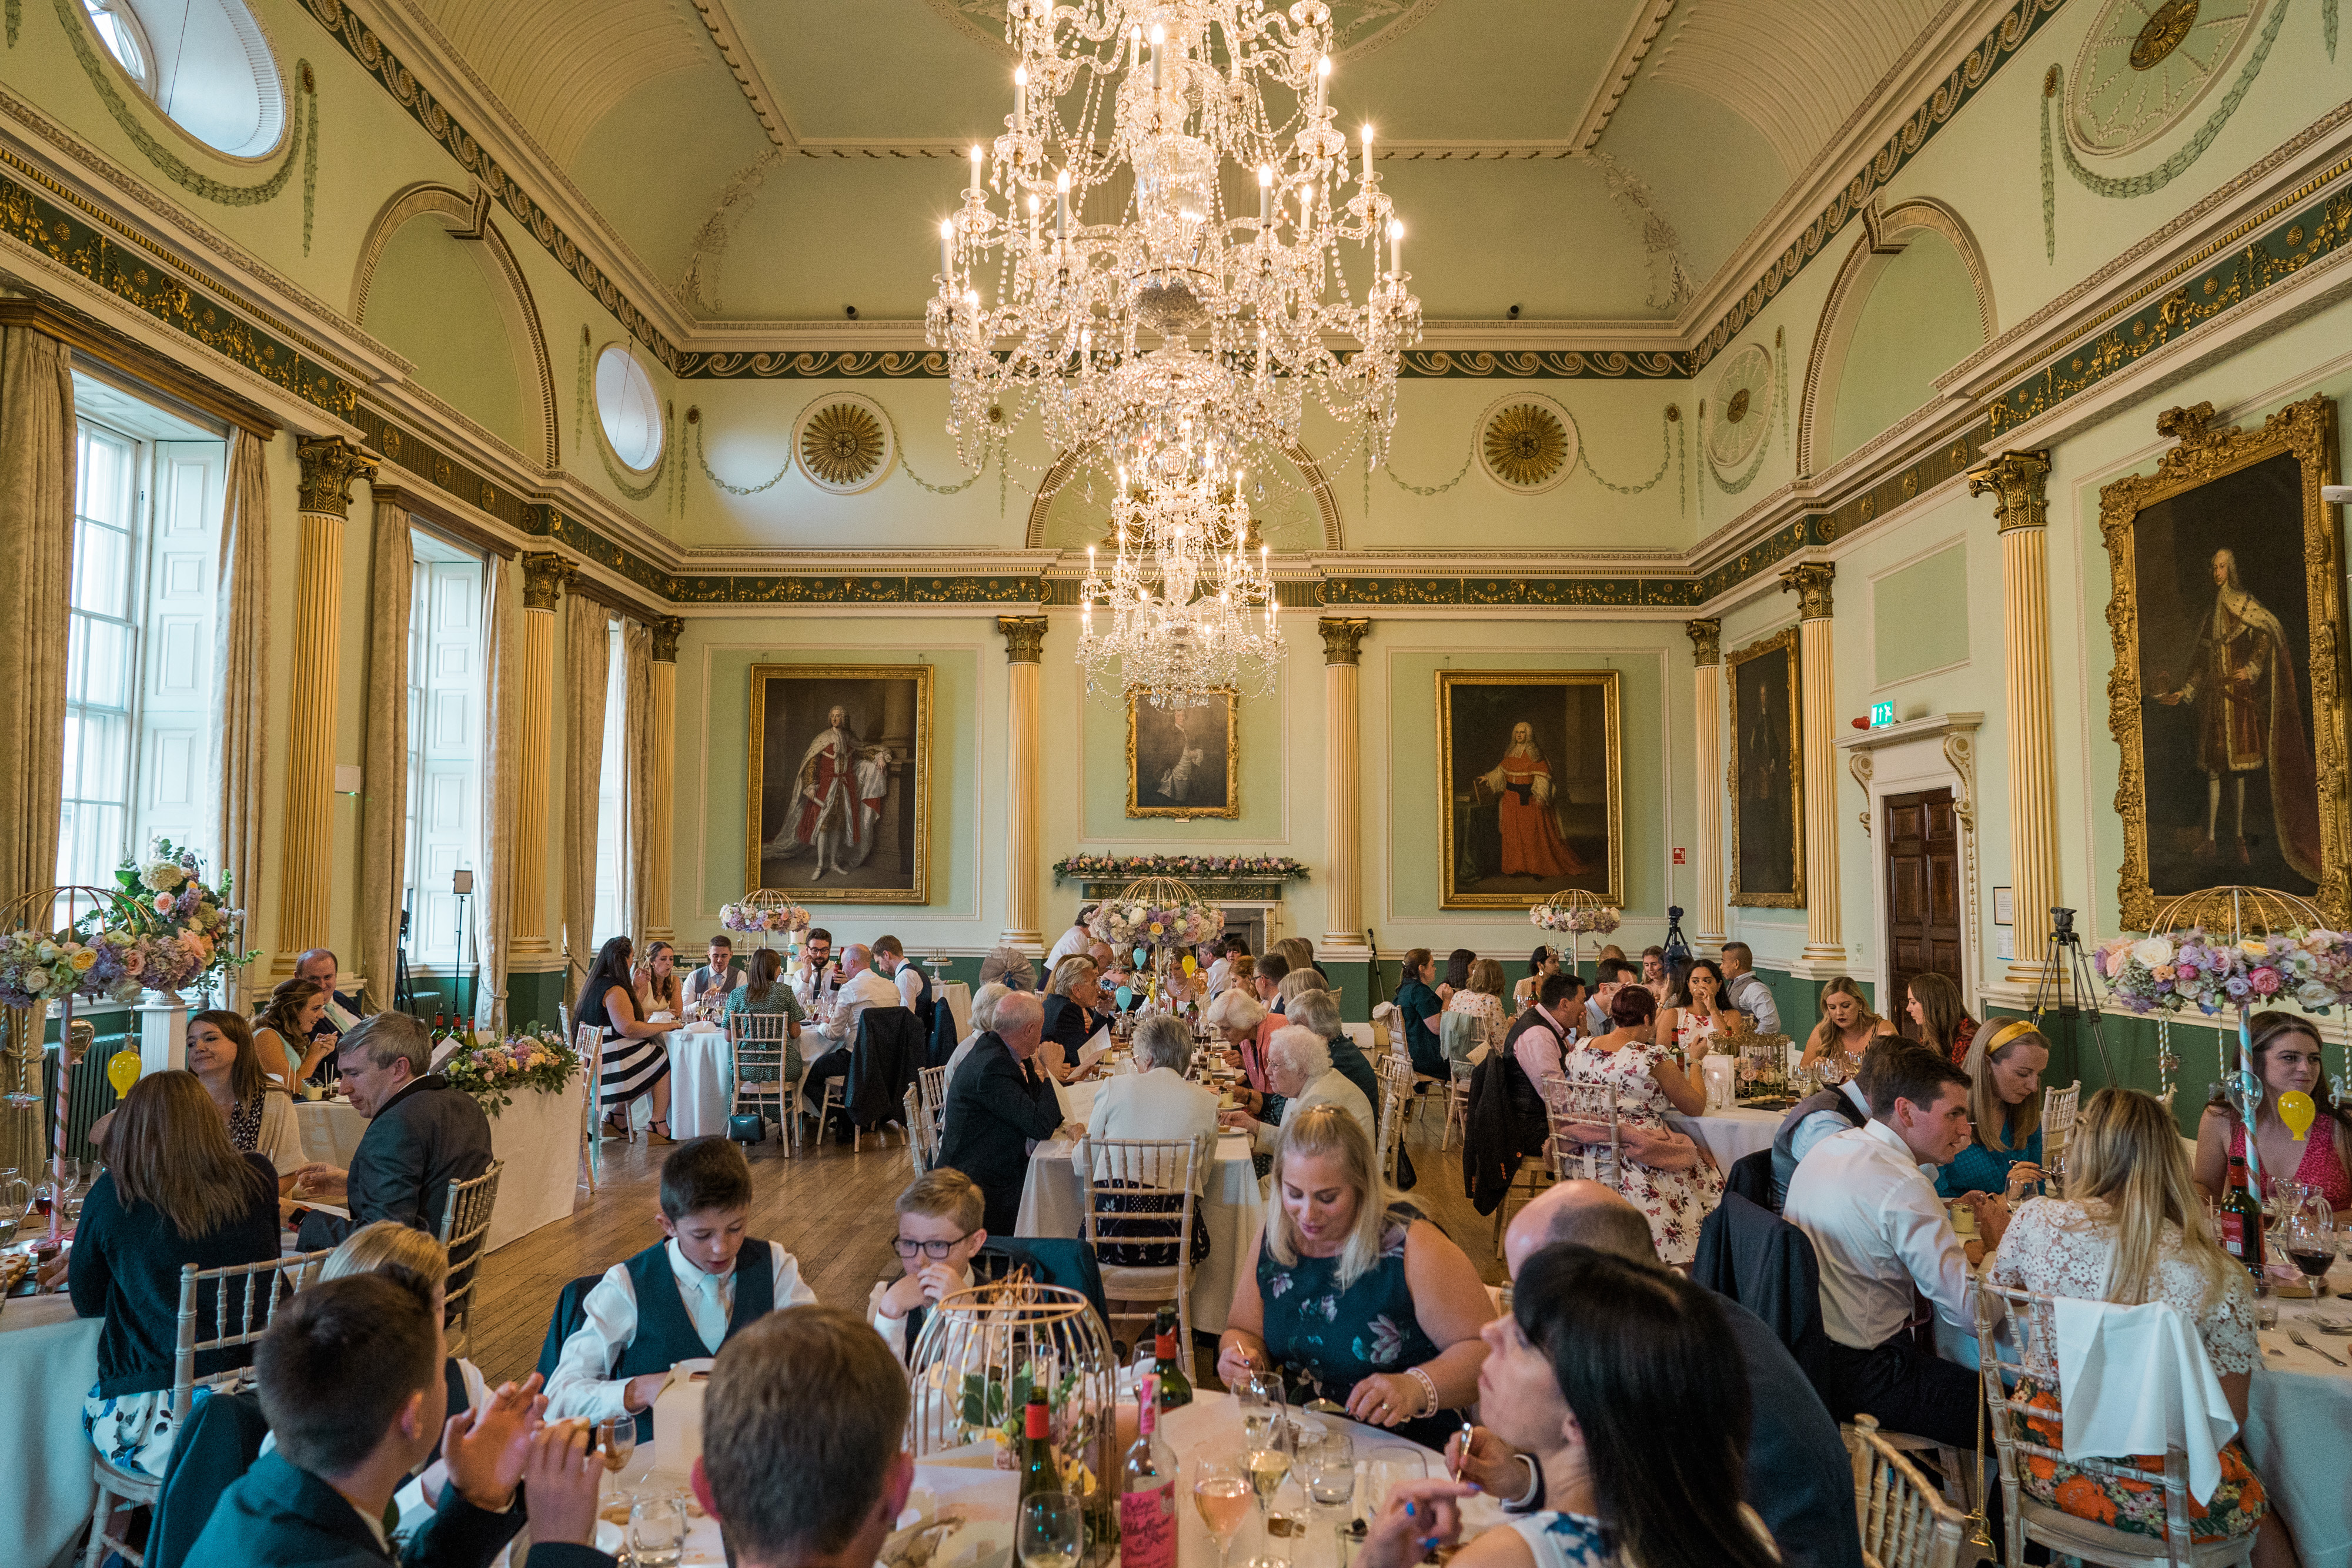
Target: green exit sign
(1881,714)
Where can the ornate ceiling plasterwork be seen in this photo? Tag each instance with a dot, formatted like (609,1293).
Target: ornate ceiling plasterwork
(560,65)
(1361,26)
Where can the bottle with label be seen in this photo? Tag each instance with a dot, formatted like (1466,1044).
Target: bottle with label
(1147,1503)
(440,1027)
(1167,1368)
(2241,1217)
(1039,1470)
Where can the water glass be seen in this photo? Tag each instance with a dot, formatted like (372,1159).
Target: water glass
(1327,1460)
(1050,1532)
(1390,1466)
(658,1531)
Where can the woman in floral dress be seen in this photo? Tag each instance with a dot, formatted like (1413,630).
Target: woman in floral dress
(1481,996)
(1677,1202)
(2131,1228)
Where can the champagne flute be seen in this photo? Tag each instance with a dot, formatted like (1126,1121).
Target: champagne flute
(1051,1530)
(1222,1492)
(1269,1465)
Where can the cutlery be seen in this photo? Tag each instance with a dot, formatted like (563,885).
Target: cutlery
(2296,1336)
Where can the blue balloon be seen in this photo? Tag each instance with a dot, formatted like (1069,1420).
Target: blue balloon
(1143,956)
(1126,998)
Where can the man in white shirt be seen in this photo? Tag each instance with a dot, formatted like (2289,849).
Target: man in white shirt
(679,1299)
(939,1230)
(1298,1067)
(1747,990)
(1608,977)
(708,985)
(860,988)
(1880,1234)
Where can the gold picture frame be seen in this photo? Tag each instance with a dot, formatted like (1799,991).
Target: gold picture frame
(1479,713)
(795,819)
(2253,495)
(1766,766)
(1166,772)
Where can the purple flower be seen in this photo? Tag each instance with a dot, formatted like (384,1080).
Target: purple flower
(2239,987)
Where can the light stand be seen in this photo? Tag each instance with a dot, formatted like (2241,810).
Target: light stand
(404,991)
(2065,964)
(462,885)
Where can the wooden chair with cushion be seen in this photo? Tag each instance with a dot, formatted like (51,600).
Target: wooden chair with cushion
(756,1041)
(1904,1523)
(1140,1211)
(464,1228)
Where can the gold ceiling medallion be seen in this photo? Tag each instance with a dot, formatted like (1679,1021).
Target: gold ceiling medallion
(2163,33)
(1744,395)
(844,444)
(1736,408)
(1528,444)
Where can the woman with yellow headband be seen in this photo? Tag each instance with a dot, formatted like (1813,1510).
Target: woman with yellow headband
(2004,1067)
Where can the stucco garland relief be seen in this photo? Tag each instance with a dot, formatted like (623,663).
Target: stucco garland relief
(1884,238)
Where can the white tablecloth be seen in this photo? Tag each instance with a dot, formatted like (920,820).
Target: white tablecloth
(49,1363)
(1728,1134)
(958,996)
(1231,1207)
(701,1081)
(538,1136)
(2299,1429)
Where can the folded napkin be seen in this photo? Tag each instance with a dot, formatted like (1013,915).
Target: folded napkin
(2136,1380)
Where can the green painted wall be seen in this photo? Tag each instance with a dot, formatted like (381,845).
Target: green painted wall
(1919,320)
(431,303)
(1918,616)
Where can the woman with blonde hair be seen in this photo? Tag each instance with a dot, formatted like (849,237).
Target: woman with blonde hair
(1847,1027)
(2132,1229)
(1353,1294)
(281,1032)
(2004,1067)
(1075,1011)
(1481,996)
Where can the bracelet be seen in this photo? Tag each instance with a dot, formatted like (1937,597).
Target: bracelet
(1428,1386)
(1527,1499)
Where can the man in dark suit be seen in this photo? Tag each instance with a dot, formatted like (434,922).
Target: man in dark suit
(350,1380)
(996,1105)
(342,1012)
(421,1135)
(1799,1481)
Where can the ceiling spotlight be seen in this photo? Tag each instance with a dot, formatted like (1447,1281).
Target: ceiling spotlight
(851,311)
(1515,312)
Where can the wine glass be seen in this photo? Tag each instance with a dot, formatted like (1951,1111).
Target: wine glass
(2309,1238)
(1051,1530)
(1220,1490)
(1270,1463)
(1261,1399)
(656,1530)
(616,1439)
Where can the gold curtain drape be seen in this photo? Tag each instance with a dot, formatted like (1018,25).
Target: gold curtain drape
(587,668)
(637,749)
(383,756)
(501,785)
(241,654)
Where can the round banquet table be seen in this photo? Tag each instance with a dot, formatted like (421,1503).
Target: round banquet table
(701,1081)
(1728,1134)
(2299,1427)
(1231,1207)
(48,1364)
(538,1136)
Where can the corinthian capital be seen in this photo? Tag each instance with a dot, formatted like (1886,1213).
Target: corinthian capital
(1811,584)
(544,574)
(330,463)
(2018,482)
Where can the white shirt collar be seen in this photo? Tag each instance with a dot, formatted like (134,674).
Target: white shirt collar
(1891,1139)
(691,1274)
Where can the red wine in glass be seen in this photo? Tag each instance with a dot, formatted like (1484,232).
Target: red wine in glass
(2313,1264)
(43,1204)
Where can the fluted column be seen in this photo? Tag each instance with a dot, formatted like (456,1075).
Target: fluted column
(1025,645)
(2017,482)
(328,466)
(1706,679)
(543,577)
(661,809)
(1817,678)
(1343,795)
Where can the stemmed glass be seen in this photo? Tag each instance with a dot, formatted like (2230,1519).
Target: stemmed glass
(1269,1466)
(68,1175)
(2309,1238)
(1261,1399)
(1222,1492)
(1051,1530)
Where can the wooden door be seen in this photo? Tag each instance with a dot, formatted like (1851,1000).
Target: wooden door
(1922,835)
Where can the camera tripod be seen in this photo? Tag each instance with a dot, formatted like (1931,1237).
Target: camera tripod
(2066,968)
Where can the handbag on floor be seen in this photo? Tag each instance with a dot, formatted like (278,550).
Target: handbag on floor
(746,1127)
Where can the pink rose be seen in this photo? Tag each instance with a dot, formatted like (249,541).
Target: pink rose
(164,903)
(2265,981)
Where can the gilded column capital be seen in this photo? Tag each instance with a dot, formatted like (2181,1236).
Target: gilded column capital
(2019,483)
(1024,638)
(330,463)
(1811,584)
(1706,641)
(666,630)
(544,575)
(1343,638)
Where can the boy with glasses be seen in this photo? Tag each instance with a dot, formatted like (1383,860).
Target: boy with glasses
(939,1230)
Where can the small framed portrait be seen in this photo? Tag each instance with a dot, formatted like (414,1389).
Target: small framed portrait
(1768,780)
(840,791)
(1532,783)
(1185,761)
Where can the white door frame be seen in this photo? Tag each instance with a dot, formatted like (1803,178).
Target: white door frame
(1903,759)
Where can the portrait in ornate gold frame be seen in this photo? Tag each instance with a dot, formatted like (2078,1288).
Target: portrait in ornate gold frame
(1185,761)
(839,802)
(2231,560)
(1531,783)
(1766,853)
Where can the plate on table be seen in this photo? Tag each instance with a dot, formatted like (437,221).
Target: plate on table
(949,1539)
(2337,1320)
(1767,1103)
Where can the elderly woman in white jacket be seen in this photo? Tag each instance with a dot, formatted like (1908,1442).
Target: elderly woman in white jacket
(1298,1067)
(1157,1101)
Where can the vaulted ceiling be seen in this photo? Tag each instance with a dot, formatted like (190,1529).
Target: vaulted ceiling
(1591,161)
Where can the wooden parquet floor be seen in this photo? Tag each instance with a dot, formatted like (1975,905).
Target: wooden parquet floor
(830,1207)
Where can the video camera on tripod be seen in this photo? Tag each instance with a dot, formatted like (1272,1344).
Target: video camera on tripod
(2066,965)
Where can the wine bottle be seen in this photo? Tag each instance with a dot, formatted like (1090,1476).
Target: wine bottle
(2241,1217)
(1175,1388)
(1039,1472)
(440,1027)
(1147,1503)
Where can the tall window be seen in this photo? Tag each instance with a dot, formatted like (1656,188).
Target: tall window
(139,680)
(612,802)
(446,708)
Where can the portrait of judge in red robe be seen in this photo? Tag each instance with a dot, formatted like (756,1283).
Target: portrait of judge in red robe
(1526,811)
(838,796)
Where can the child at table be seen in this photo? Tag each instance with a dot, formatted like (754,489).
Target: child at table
(677,1300)
(939,1230)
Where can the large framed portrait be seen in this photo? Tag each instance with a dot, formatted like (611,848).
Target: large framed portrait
(1533,782)
(1768,780)
(2227,699)
(1185,761)
(840,791)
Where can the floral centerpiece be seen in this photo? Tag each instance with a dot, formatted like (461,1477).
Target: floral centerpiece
(182,929)
(2168,973)
(1586,918)
(536,1059)
(38,968)
(1165,921)
(756,914)
(1102,868)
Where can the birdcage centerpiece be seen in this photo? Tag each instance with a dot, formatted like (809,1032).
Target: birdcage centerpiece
(2245,947)
(1159,921)
(1576,914)
(764,912)
(983,1353)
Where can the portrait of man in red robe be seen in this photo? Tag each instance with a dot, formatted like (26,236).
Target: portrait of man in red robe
(837,795)
(1527,816)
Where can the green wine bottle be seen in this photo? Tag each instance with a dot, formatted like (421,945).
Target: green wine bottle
(1039,1471)
(1175,1388)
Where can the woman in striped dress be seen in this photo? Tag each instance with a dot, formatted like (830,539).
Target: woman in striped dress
(636,1056)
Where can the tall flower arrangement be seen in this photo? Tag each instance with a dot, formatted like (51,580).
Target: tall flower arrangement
(536,1059)
(1162,923)
(2170,974)
(160,927)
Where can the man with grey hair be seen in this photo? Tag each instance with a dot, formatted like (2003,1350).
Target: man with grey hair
(997,1107)
(1298,1069)
(423,1135)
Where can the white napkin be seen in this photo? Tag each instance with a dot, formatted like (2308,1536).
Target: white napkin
(2136,1380)
(677,1416)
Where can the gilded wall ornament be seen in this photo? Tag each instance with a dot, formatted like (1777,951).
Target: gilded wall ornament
(330,463)
(1810,583)
(1706,641)
(2143,67)
(1743,408)
(666,630)
(844,444)
(1343,638)
(1528,444)
(544,575)
(2017,482)
(1024,638)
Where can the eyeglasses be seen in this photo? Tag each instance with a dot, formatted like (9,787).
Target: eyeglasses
(934,1251)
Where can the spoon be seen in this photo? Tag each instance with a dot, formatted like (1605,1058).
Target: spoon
(2296,1336)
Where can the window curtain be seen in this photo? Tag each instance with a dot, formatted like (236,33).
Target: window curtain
(241,654)
(383,756)
(638,746)
(587,666)
(36,501)
(501,782)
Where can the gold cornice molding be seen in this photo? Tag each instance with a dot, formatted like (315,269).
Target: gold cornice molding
(54,319)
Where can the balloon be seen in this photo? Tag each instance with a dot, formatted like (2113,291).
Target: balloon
(1126,998)
(122,1072)
(2296,1109)
(1143,956)
(1190,963)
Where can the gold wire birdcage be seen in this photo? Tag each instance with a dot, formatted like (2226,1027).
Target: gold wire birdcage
(770,902)
(2230,914)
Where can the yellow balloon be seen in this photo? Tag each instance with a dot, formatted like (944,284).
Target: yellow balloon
(122,1072)
(1190,963)
(2296,1109)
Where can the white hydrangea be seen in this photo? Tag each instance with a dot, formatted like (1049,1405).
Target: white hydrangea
(162,876)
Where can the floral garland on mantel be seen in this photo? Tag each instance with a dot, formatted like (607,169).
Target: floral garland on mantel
(1192,868)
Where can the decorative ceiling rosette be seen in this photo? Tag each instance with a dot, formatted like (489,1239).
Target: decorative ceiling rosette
(2147,63)
(1358,27)
(842,443)
(1740,410)
(1528,444)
